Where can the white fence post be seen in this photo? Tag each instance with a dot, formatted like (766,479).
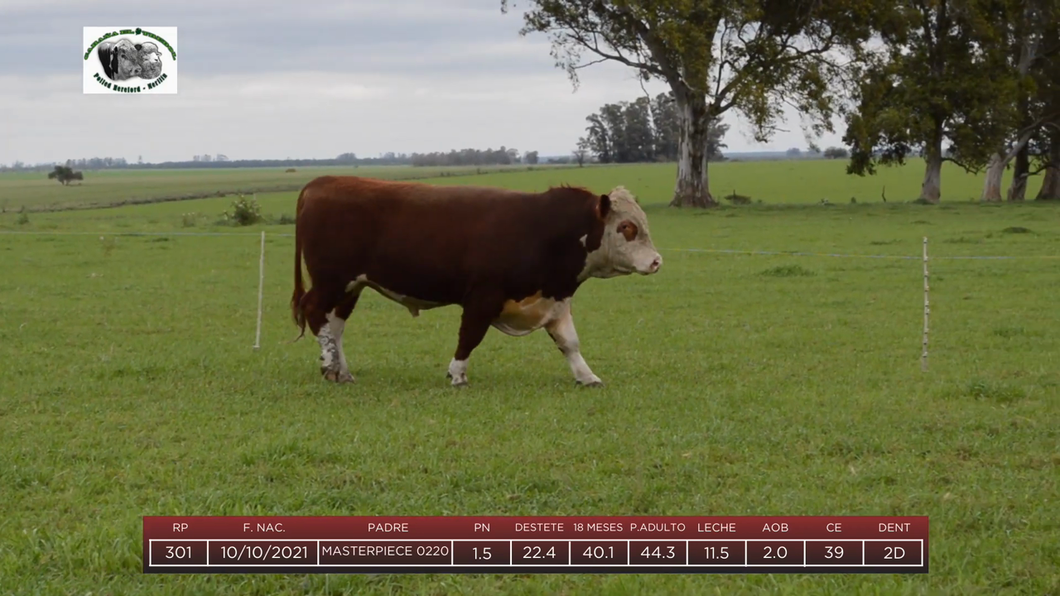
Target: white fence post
(261,289)
(927,311)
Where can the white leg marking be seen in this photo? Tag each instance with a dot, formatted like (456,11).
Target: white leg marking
(337,326)
(328,357)
(566,337)
(458,372)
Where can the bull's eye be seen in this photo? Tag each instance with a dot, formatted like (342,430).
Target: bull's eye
(628,230)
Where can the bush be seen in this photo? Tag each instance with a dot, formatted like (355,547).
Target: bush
(244,212)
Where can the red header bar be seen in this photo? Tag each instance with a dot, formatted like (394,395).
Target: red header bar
(515,528)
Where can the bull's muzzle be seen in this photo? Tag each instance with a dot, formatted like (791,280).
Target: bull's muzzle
(652,267)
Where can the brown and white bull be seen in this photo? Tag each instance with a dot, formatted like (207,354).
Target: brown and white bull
(511,260)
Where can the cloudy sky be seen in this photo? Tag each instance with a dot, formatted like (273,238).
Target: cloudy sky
(276,79)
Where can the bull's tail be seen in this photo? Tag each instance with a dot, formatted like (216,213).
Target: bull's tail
(299,290)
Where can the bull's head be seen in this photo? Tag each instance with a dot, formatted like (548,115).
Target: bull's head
(626,245)
(150,60)
(128,59)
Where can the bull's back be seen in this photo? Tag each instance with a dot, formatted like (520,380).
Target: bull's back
(416,239)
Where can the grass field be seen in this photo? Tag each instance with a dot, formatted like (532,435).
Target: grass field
(35,192)
(772,182)
(738,384)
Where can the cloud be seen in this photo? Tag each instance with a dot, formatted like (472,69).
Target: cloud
(270,78)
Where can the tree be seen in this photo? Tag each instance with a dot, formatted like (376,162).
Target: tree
(581,151)
(1018,114)
(836,153)
(753,56)
(715,133)
(64,174)
(793,153)
(1035,55)
(639,138)
(1050,190)
(931,82)
(599,138)
(530,157)
(666,126)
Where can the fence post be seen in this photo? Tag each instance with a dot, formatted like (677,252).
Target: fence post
(927,311)
(261,289)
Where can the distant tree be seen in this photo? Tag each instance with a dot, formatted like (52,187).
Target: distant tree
(530,157)
(836,153)
(666,125)
(644,130)
(715,132)
(638,140)
(64,174)
(581,152)
(793,152)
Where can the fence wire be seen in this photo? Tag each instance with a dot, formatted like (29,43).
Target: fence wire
(778,253)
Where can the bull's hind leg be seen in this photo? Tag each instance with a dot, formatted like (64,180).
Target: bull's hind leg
(337,324)
(326,314)
(561,330)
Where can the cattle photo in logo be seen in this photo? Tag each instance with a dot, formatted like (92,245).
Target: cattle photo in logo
(511,260)
(123,59)
(135,60)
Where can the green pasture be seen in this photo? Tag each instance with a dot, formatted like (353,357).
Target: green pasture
(737,384)
(771,182)
(34,191)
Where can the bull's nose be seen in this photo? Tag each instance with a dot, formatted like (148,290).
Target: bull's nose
(656,264)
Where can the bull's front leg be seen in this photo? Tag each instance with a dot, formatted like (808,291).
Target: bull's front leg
(561,330)
(474,323)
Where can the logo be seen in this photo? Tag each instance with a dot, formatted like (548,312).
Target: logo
(134,60)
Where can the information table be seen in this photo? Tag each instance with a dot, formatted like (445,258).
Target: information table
(535,544)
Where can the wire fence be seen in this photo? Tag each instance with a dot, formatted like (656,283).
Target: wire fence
(263,233)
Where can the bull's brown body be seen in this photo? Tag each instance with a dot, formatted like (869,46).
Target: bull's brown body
(509,259)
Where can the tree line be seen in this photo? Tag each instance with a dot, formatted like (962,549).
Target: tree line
(641,130)
(464,157)
(973,82)
(474,157)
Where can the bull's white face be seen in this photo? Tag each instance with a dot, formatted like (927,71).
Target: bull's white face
(626,246)
(128,59)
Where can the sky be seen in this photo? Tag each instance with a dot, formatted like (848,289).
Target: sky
(271,79)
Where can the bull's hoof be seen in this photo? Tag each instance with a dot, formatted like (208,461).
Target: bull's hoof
(591,383)
(460,381)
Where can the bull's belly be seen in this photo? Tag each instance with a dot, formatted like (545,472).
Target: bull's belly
(517,318)
(415,305)
(528,315)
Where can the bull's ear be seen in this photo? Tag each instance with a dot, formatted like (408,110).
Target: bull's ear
(604,206)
